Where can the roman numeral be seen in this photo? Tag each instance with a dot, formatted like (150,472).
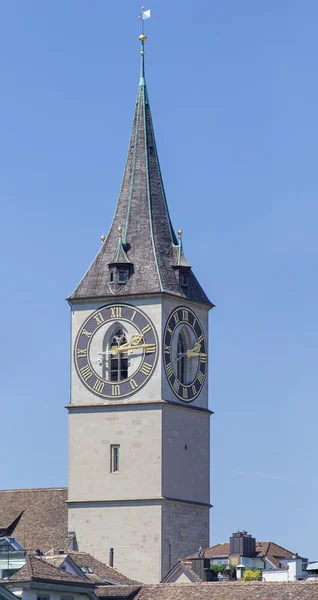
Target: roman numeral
(200,377)
(167,349)
(169,369)
(151,349)
(99,386)
(203,359)
(115,312)
(133,384)
(87,333)
(146,329)
(168,329)
(194,322)
(185,315)
(176,318)
(133,315)
(115,390)
(81,352)
(146,368)
(99,318)
(200,339)
(194,390)
(176,386)
(86,372)
(185,393)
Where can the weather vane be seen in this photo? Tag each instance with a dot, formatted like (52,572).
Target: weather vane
(145,14)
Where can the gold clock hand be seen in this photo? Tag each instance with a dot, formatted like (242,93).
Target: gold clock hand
(195,351)
(191,354)
(136,342)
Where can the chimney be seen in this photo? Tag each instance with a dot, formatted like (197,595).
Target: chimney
(111,557)
(201,566)
(242,544)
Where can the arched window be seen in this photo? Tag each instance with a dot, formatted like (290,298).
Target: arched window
(181,362)
(119,362)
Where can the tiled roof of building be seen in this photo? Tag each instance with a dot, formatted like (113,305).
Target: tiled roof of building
(55,560)
(36,518)
(147,239)
(273,552)
(117,591)
(36,569)
(217,550)
(99,571)
(256,590)
(183,566)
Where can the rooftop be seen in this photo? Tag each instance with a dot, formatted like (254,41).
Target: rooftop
(36,518)
(254,590)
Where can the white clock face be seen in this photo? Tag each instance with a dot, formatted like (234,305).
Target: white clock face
(116,351)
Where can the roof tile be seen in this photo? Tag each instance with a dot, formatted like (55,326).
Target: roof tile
(43,517)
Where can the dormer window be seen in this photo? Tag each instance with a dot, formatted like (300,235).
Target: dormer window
(86,569)
(184,279)
(121,276)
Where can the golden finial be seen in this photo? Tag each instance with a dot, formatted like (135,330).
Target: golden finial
(102,239)
(145,14)
(120,231)
(180,233)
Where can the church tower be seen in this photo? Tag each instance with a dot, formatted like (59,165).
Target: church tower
(139,437)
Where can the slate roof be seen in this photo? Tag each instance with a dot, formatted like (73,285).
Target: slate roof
(148,238)
(254,590)
(269,550)
(100,570)
(36,518)
(35,569)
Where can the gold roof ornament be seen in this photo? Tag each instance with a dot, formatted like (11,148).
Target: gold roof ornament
(120,231)
(102,239)
(145,14)
(180,232)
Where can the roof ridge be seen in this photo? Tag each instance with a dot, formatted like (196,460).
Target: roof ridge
(283,548)
(33,489)
(29,565)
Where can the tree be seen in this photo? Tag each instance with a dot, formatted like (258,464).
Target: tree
(252,575)
(215,569)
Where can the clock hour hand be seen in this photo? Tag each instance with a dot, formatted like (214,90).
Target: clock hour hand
(136,342)
(195,351)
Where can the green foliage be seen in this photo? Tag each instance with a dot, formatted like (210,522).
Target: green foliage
(252,575)
(215,569)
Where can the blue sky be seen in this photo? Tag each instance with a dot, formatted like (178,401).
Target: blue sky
(233,90)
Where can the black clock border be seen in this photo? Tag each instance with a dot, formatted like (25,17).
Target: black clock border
(165,355)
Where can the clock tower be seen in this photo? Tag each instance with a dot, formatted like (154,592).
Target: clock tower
(139,436)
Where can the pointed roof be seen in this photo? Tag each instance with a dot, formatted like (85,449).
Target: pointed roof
(35,569)
(148,242)
(91,568)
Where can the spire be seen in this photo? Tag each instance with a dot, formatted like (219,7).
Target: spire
(143,38)
(148,245)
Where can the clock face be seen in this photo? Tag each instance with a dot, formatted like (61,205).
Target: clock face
(185,354)
(116,351)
